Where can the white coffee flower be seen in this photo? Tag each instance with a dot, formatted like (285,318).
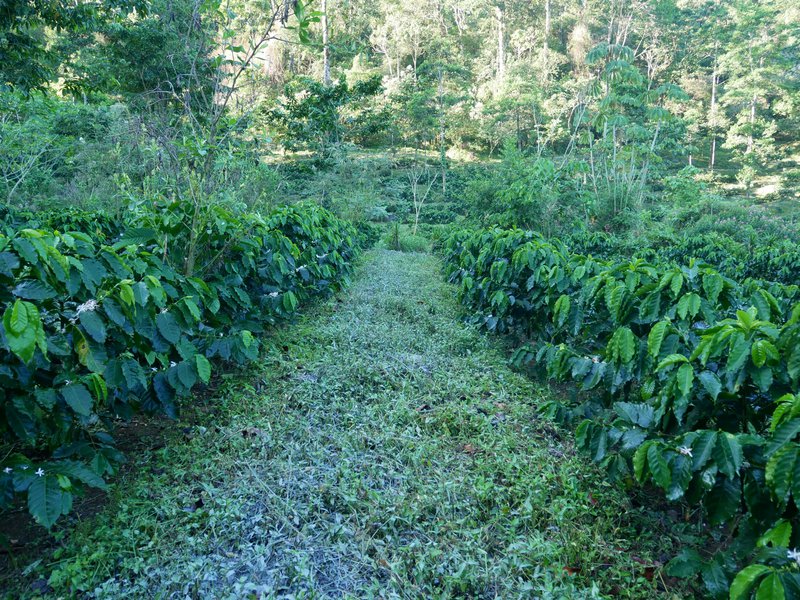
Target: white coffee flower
(686,451)
(39,472)
(794,554)
(88,306)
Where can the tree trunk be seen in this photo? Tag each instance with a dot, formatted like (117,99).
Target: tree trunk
(750,141)
(442,131)
(546,47)
(501,46)
(326,61)
(713,114)
(713,152)
(753,101)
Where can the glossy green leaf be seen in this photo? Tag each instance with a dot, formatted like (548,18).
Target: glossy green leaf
(659,468)
(727,454)
(93,325)
(46,500)
(746,580)
(771,588)
(656,337)
(780,472)
(168,327)
(78,398)
(203,368)
(710,383)
(686,564)
(685,378)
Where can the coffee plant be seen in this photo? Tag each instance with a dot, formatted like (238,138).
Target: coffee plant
(692,380)
(769,258)
(94,331)
(99,225)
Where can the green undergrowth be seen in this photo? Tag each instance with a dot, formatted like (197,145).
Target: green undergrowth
(380,448)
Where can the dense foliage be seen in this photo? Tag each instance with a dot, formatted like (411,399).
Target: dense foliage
(770,258)
(97,330)
(316,116)
(177,176)
(628,91)
(691,382)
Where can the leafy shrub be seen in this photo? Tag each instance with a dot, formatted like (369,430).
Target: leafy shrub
(92,332)
(524,191)
(368,233)
(437,213)
(319,117)
(54,153)
(100,226)
(684,188)
(699,377)
(378,214)
(438,233)
(743,221)
(401,239)
(763,258)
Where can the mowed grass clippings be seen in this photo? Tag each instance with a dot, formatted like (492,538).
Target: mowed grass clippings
(381,449)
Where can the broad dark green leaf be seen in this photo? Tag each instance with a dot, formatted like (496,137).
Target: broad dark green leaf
(702,448)
(727,454)
(711,383)
(134,374)
(771,588)
(723,501)
(687,563)
(659,468)
(78,398)
(746,580)
(46,500)
(187,374)
(33,289)
(780,471)
(168,327)
(94,325)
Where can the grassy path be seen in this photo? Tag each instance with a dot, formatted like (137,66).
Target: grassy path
(382,450)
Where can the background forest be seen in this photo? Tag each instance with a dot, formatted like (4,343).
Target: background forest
(612,116)
(201,168)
